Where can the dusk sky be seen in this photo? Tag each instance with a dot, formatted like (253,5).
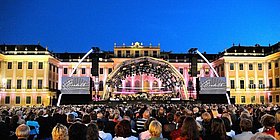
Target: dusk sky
(76,26)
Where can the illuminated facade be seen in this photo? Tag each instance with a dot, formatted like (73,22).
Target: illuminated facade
(31,75)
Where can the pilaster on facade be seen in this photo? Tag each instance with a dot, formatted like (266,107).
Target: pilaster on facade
(246,81)
(46,76)
(236,76)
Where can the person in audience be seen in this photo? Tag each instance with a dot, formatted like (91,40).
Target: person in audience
(92,132)
(46,124)
(123,131)
(277,131)
(218,130)
(206,124)
(169,127)
(268,123)
(229,131)
(34,127)
(141,121)
(146,134)
(176,133)
(189,130)
(246,126)
(70,119)
(60,132)
(262,136)
(102,134)
(277,116)
(77,131)
(155,129)
(86,119)
(22,132)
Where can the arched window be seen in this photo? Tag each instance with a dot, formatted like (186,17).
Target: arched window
(155,83)
(127,83)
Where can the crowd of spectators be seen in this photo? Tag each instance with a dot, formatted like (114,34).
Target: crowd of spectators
(141,121)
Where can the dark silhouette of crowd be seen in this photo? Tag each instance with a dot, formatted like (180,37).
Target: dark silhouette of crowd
(141,121)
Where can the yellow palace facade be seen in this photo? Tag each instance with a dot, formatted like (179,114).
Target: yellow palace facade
(31,74)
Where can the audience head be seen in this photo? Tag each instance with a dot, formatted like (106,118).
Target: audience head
(123,129)
(77,131)
(190,129)
(268,121)
(100,125)
(206,117)
(70,118)
(86,119)
(92,132)
(155,128)
(246,125)
(60,132)
(22,131)
(218,128)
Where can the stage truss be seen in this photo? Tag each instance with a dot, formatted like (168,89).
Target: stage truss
(170,77)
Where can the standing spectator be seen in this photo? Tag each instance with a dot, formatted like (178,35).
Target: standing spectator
(102,134)
(34,127)
(161,116)
(246,127)
(70,119)
(123,131)
(141,121)
(169,127)
(268,124)
(277,131)
(46,124)
(77,131)
(218,130)
(92,132)
(60,132)
(22,132)
(189,130)
(176,133)
(206,124)
(155,129)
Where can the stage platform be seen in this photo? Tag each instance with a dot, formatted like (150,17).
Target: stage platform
(130,102)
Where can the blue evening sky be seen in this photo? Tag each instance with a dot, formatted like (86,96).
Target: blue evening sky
(78,25)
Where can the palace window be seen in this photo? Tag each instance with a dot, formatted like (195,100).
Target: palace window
(40,65)
(39,100)
(241,84)
(28,99)
(270,83)
(9,83)
(101,70)
(127,53)
(277,98)
(19,65)
(250,66)
(270,98)
(29,84)
(261,85)
(146,53)
(29,65)
(262,99)
(231,66)
(277,82)
(7,100)
(65,70)
(17,99)
(119,54)
(253,99)
(83,70)
(181,70)
(243,99)
(10,65)
(276,64)
(232,86)
(269,65)
(154,53)
(259,66)
(40,84)
(18,84)
(241,66)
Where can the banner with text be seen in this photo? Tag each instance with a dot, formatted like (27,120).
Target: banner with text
(75,85)
(213,85)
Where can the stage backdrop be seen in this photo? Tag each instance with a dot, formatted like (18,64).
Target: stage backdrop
(212,85)
(75,85)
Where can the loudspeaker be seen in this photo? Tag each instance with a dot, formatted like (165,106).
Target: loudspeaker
(95,66)
(194,65)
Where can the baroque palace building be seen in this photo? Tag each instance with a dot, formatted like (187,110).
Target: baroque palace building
(31,74)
